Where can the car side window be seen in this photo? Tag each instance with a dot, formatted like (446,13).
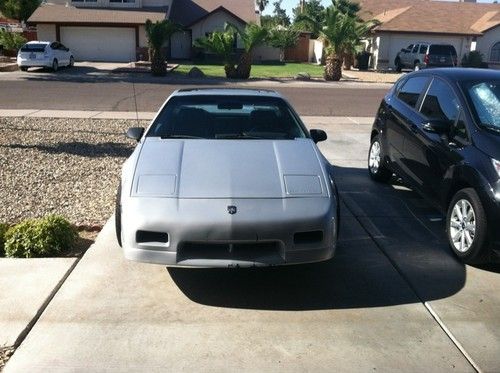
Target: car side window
(54,45)
(411,90)
(62,47)
(440,103)
(415,49)
(423,49)
(409,47)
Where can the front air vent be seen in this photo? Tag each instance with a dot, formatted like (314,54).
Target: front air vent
(151,237)
(311,237)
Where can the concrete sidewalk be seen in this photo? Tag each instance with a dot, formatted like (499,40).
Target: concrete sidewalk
(148,115)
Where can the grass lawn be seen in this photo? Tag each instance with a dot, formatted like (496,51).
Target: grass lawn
(288,70)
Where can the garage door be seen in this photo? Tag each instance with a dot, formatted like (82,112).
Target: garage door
(100,43)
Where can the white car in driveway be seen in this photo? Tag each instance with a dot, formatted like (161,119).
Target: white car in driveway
(44,54)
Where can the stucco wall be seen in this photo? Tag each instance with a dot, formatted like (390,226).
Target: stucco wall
(387,45)
(486,42)
(46,32)
(266,53)
(214,22)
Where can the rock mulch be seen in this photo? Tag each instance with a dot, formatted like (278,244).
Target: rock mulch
(5,354)
(69,167)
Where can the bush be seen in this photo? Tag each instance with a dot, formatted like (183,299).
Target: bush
(33,238)
(473,59)
(11,40)
(3,230)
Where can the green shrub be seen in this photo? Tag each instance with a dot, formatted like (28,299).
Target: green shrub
(3,230)
(11,40)
(473,59)
(43,237)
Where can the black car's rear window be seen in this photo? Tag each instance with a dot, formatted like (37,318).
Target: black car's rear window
(227,117)
(33,47)
(445,50)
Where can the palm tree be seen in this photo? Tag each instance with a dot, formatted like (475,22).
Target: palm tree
(158,34)
(251,36)
(222,44)
(262,4)
(283,38)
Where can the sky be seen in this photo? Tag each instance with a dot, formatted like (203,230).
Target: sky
(290,4)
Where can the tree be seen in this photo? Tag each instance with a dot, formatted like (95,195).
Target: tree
(20,10)
(158,34)
(312,9)
(262,4)
(251,36)
(283,38)
(221,44)
(280,15)
(11,40)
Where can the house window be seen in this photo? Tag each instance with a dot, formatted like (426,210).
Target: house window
(495,53)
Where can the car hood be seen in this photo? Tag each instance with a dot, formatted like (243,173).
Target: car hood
(228,169)
(488,143)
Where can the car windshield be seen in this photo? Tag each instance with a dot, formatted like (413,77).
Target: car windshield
(34,47)
(484,97)
(227,117)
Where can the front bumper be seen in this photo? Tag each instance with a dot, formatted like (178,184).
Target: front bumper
(201,233)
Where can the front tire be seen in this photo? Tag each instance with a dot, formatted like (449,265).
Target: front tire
(467,226)
(24,68)
(376,167)
(55,66)
(71,62)
(118,216)
(399,65)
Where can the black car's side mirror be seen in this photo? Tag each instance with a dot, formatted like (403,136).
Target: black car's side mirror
(318,135)
(438,126)
(135,133)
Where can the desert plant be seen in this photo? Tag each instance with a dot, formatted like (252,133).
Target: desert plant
(3,230)
(32,238)
(473,59)
(18,9)
(283,38)
(220,43)
(251,36)
(158,34)
(11,40)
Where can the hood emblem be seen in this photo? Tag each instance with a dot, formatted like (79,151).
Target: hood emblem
(232,210)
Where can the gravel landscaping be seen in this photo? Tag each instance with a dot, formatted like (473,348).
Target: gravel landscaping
(68,167)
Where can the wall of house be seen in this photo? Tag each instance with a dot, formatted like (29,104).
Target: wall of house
(486,42)
(266,53)
(214,22)
(386,46)
(46,32)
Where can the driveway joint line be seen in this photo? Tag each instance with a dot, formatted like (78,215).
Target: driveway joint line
(427,306)
(354,121)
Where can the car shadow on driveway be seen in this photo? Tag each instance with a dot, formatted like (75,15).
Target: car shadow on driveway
(392,250)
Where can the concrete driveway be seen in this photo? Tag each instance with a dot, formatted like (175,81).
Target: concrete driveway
(394,298)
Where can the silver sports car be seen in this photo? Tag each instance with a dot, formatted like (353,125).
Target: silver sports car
(227,178)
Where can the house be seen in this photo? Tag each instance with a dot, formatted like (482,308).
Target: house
(114,30)
(466,25)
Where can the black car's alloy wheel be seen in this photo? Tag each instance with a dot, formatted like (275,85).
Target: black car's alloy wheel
(376,167)
(467,226)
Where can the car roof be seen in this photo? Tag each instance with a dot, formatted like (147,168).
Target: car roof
(226,92)
(461,74)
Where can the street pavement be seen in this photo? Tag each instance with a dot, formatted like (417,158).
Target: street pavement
(394,298)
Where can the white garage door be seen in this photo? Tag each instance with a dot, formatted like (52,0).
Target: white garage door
(100,43)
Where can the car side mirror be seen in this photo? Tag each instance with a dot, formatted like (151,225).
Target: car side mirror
(135,133)
(318,135)
(438,126)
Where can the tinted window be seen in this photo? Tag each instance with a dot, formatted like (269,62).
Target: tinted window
(423,49)
(33,47)
(410,47)
(411,90)
(440,103)
(227,117)
(444,50)
(415,48)
(459,130)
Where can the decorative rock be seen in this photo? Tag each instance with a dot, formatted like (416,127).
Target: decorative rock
(303,76)
(196,73)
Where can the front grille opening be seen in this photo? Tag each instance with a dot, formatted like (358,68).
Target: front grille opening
(229,251)
(302,238)
(151,237)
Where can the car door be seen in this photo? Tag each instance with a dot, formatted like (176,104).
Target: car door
(402,109)
(427,154)
(413,55)
(404,57)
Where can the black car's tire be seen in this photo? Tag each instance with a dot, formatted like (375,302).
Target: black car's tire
(397,63)
(24,68)
(118,216)
(466,227)
(377,169)
(55,66)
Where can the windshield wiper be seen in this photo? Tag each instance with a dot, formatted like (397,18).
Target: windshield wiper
(180,137)
(239,136)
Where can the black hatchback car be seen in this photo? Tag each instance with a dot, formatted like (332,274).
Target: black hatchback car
(439,131)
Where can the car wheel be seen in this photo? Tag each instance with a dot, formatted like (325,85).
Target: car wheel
(71,61)
(55,66)
(467,226)
(118,216)
(416,66)
(398,64)
(24,68)
(378,171)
